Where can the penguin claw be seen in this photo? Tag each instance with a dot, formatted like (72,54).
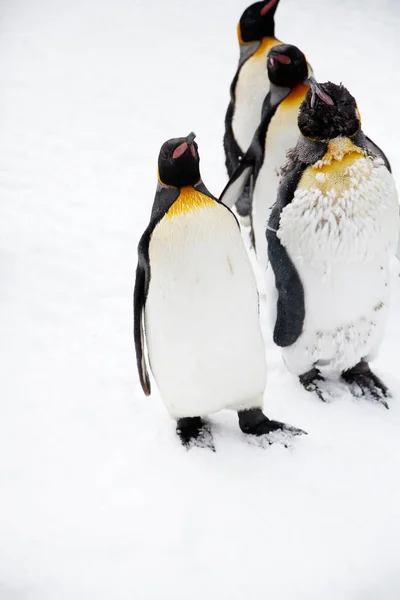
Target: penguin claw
(363,383)
(263,431)
(290,429)
(283,434)
(193,432)
(314,382)
(364,389)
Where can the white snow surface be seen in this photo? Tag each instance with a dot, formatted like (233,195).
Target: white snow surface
(98,500)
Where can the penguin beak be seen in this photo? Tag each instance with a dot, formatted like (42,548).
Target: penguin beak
(181,149)
(318,91)
(190,137)
(189,140)
(267,7)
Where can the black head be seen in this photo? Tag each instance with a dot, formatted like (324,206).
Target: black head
(286,65)
(178,162)
(328,111)
(257,21)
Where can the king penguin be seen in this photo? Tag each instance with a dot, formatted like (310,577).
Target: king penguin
(250,85)
(196,305)
(330,236)
(276,134)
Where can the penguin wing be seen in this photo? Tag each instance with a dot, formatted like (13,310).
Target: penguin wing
(139,299)
(165,197)
(252,160)
(233,152)
(290,303)
(374,150)
(235,186)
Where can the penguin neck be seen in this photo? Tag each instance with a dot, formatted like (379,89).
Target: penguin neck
(190,199)
(310,151)
(257,48)
(338,150)
(278,93)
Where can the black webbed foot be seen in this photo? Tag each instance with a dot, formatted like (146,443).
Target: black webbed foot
(364,383)
(313,381)
(254,422)
(193,431)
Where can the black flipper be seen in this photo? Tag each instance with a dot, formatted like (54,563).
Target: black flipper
(233,153)
(374,150)
(290,305)
(253,159)
(139,297)
(165,197)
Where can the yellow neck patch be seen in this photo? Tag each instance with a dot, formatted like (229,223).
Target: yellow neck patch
(188,200)
(331,173)
(266,44)
(339,148)
(296,96)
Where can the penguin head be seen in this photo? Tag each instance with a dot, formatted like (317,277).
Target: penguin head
(286,66)
(178,162)
(328,111)
(257,21)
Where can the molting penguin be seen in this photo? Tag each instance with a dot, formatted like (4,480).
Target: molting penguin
(330,237)
(196,305)
(276,134)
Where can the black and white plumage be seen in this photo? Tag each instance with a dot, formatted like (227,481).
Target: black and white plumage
(330,237)
(275,135)
(250,85)
(196,303)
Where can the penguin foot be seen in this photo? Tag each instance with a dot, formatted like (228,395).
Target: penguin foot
(312,381)
(364,383)
(194,432)
(254,422)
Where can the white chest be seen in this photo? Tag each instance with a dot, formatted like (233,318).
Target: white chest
(342,216)
(340,240)
(251,88)
(201,315)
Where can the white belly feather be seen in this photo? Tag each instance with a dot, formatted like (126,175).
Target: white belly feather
(251,88)
(341,246)
(201,316)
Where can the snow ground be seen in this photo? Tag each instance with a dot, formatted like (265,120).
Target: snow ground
(97,498)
